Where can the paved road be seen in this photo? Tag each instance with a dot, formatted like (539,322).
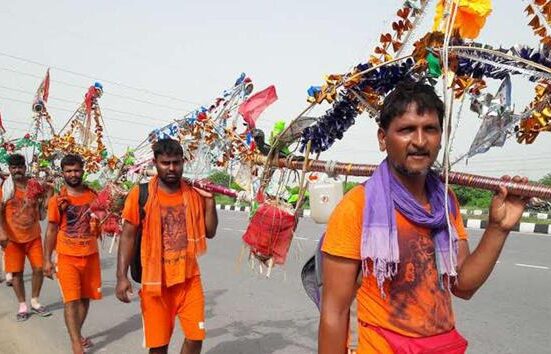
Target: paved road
(247,313)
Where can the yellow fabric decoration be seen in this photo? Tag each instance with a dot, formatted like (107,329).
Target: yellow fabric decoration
(471,16)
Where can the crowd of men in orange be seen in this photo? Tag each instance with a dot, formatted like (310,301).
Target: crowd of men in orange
(173,225)
(392,243)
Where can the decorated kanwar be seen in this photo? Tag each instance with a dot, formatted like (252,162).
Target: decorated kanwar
(393,248)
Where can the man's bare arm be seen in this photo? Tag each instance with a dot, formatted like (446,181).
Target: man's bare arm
(3,232)
(49,246)
(43,205)
(475,268)
(339,289)
(125,254)
(211,217)
(478,265)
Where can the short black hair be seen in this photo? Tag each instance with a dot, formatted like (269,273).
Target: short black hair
(16,160)
(397,102)
(72,159)
(169,147)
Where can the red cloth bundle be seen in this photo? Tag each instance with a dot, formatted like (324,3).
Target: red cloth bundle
(102,201)
(270,232)
(35,190)
(111,226)
(107,208)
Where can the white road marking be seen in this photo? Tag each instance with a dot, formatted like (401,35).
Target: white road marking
(531,266)
(230,229)
(307,239)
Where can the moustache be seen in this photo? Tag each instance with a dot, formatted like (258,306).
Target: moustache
(419,153)
(73,180)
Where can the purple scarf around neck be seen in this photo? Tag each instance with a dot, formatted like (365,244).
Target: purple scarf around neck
(384,194)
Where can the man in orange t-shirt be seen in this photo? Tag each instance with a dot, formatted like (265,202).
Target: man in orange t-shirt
(76,246)
(20,235)
(393,234)
(175,223)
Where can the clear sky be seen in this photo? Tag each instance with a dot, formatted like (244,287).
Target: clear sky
(160,59)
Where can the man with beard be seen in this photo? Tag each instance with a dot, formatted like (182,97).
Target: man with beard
(373,227)
(76,246)
(174,223)
(20,235)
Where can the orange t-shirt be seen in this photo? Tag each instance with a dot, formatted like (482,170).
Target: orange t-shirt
(74,237)
(414,305)
(20,218)
(173,229)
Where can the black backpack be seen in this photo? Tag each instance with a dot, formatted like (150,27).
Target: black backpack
(136,263)
(311,275)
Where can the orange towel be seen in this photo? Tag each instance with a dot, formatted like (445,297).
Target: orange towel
(152,241)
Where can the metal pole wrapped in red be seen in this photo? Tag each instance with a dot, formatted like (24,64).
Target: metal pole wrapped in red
(213,188)
(530,190)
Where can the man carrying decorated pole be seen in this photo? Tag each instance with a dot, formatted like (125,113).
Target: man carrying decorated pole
(20,235)
(166,224)
(398,245)
(76,246)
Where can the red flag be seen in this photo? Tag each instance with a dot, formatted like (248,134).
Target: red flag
(44,89)
(89,97)
(46,86)
(256,104)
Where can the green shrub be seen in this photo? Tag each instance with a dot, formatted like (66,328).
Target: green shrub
(546,179)
(472,197)
(224,200)
(221,178)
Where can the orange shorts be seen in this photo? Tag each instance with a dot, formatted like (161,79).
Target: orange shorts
(79,277)
(186,300)
(15,255)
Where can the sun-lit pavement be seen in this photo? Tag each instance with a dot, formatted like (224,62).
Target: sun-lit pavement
(249,314)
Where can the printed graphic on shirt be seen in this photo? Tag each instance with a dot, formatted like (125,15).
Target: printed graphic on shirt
(173,221)
(415,293)
(23,215)
(78,221)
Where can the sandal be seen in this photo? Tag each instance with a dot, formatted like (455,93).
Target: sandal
(22,316)
(41,311)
